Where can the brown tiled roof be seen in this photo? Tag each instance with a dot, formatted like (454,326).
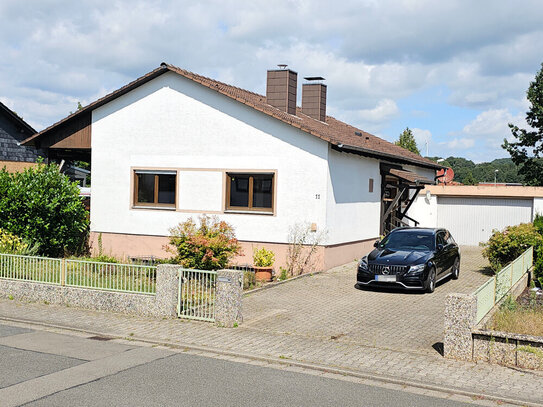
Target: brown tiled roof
(341,135)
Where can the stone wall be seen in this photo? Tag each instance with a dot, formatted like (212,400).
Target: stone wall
(465,339)
(10,136)
(163,303)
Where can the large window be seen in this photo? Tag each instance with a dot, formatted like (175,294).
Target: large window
(155,188)
(250,192)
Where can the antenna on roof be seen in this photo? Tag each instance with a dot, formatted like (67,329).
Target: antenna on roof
(282,66)
(357,133)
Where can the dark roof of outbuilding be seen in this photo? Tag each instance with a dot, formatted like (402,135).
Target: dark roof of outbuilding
(340,135)
(16,118)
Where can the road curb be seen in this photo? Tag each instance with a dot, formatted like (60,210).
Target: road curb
(285,362)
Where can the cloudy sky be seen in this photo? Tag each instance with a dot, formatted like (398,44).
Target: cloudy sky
(456,72)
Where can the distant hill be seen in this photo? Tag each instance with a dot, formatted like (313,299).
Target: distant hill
(469,173)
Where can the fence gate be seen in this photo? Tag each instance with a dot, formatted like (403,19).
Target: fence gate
(196,298)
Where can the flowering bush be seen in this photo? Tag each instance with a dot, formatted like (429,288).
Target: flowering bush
(263,257)
(11,244)
(505,246)
(208,246)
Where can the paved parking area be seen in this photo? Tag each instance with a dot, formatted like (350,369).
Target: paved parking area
(328,306)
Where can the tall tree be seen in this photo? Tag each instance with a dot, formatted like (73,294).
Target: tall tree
(527,151)
(407,141)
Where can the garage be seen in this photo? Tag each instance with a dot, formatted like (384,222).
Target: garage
(472,219)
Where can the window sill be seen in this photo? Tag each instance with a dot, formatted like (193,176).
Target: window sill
(163,208)
(240,211)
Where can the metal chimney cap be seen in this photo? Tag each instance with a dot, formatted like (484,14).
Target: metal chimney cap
(314,78)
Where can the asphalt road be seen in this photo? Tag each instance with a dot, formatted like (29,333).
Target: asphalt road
(40,368)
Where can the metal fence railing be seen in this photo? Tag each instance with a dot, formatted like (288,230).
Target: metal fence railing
(196,298)
(30,268)
(79,273)
(111,276)
(499,285)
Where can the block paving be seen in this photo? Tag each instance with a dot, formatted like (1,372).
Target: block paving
(323,320)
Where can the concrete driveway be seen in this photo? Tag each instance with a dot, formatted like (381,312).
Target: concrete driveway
(328,306)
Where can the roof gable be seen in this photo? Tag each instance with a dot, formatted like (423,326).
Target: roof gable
(16,119)
(340,135)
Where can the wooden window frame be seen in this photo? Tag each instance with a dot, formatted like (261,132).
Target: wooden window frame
(249,208)
(155,204)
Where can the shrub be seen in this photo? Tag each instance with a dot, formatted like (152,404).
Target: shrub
(249,280)
(11,244)
(263,257)
(538,223)
(302,248)
(42,206)
(209,246)
(505,246)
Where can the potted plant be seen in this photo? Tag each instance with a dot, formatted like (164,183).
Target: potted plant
(262,262)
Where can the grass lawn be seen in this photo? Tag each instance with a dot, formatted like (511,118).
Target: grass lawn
(523,316)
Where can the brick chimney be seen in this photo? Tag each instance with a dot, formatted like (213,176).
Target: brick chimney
(281,89)
(314,98)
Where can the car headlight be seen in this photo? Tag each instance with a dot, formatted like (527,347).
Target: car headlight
(363,263)
(416,269)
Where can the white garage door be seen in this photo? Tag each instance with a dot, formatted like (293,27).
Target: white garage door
(471,220)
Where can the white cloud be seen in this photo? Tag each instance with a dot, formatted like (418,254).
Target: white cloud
(373,53)
(459,144)
(385,110)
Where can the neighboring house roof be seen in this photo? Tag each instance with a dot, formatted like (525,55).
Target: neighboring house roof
(486,191)
(15,117)
(340,135)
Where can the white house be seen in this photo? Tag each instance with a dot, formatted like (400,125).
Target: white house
(173,144)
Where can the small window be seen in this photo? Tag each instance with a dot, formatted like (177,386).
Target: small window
(155,188)
(249,192)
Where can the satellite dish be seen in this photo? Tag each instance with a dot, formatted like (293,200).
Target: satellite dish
(446,175)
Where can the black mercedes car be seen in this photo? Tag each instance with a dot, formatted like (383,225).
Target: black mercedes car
(414,258)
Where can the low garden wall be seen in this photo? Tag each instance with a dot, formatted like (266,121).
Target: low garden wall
(162,303)
(467,339)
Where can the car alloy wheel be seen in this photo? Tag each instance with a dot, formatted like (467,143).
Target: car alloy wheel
(431,284)
(456,269)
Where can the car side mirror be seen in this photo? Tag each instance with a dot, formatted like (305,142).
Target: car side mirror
(439,247)
(376,243)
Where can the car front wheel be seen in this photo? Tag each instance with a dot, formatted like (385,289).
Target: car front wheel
(431,282)
(456,269)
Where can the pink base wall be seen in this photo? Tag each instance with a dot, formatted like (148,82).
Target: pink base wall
(124,246)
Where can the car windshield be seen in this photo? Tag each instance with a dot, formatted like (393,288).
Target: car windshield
(408,241)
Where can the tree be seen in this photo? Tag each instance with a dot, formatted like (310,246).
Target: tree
(527,151)
(407,141)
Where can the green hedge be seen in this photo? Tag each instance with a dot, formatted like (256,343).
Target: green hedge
(505,246)
(43,207)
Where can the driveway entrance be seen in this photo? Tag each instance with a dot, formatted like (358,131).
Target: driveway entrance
(327,306)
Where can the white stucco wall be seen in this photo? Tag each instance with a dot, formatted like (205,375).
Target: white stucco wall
(538,207)
(353,213)
(173,123)
(424,210)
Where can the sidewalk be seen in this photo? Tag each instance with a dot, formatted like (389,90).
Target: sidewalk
(428,371)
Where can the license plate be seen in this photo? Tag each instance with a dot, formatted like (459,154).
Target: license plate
(384,278)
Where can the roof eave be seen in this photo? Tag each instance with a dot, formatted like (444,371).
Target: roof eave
(18,119)
(378,154)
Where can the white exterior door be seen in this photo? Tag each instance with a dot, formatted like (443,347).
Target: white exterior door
(471,220)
